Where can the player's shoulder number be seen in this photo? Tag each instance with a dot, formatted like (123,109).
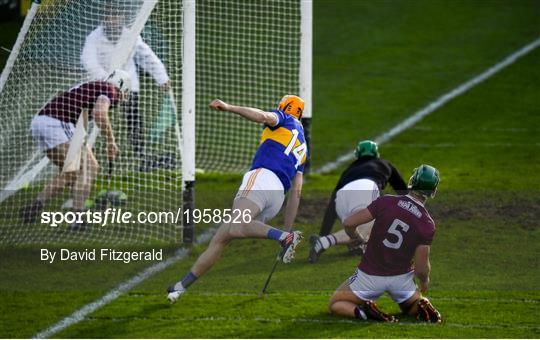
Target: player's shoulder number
(299,152)
(397,229)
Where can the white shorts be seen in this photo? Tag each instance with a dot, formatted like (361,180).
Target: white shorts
(50,132)
(356,196)
(263,187)
(370,287)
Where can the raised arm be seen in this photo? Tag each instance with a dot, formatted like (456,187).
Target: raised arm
(252,114)
(422,266)
(149,61)
(293,201)
(101,116)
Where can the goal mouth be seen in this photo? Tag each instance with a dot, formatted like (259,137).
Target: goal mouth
(156,129)
(64,45)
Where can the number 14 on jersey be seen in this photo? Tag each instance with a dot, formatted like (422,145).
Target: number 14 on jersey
(299,152)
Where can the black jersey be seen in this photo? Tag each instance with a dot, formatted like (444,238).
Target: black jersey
(378,170)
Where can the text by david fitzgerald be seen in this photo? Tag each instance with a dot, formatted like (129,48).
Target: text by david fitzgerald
(105,254)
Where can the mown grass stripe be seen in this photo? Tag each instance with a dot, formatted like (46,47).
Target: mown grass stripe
(436,104)
(315,321)
(328,294)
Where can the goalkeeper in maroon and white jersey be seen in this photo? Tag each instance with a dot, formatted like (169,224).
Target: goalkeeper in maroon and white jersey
(397,251)
(53,129)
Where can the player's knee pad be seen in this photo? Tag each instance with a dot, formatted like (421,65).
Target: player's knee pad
(426,311)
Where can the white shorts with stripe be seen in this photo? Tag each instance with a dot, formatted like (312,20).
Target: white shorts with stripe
(50,132)
(356,196)
(263,187)
(370,287)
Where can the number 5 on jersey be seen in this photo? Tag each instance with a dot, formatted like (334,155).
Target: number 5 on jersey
(394,230)
(299,152)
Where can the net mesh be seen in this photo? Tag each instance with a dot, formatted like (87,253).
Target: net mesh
(50,61)
(248,53)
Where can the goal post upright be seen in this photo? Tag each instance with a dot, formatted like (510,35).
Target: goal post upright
(306,60)
(253,62)
(188,118)
(48,59)
(20,38)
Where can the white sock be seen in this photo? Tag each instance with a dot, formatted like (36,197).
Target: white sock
(327,241)
(179,286)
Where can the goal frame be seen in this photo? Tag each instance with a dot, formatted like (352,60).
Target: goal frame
(186,142)
(188,99)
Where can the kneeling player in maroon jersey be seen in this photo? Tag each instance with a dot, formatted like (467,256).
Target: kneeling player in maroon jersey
(397,251)
(53,128)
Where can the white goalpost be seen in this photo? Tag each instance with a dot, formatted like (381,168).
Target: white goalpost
(306,65)
(188,115)
(246,52)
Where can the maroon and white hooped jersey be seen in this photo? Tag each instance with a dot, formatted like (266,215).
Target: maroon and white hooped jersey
(401,224)
(68,105)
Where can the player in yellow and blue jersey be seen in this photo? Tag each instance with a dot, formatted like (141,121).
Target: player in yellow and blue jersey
(277,167)
(282,148)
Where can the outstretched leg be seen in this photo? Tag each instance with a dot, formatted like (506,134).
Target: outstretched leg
(249,227)
(321,243)
(229,231)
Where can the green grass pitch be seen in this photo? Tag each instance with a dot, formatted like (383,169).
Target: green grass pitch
(375,63)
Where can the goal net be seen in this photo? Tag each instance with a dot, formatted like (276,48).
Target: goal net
(50,61)
(248,53)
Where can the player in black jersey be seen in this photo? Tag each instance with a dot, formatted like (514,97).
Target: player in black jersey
(359,185)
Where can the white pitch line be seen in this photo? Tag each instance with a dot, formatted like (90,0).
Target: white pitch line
(431,107)
(80,314)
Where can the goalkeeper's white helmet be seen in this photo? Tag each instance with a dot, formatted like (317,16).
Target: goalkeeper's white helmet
(121,80)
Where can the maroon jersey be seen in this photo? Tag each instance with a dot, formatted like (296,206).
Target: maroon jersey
(68,105)
(401,225)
